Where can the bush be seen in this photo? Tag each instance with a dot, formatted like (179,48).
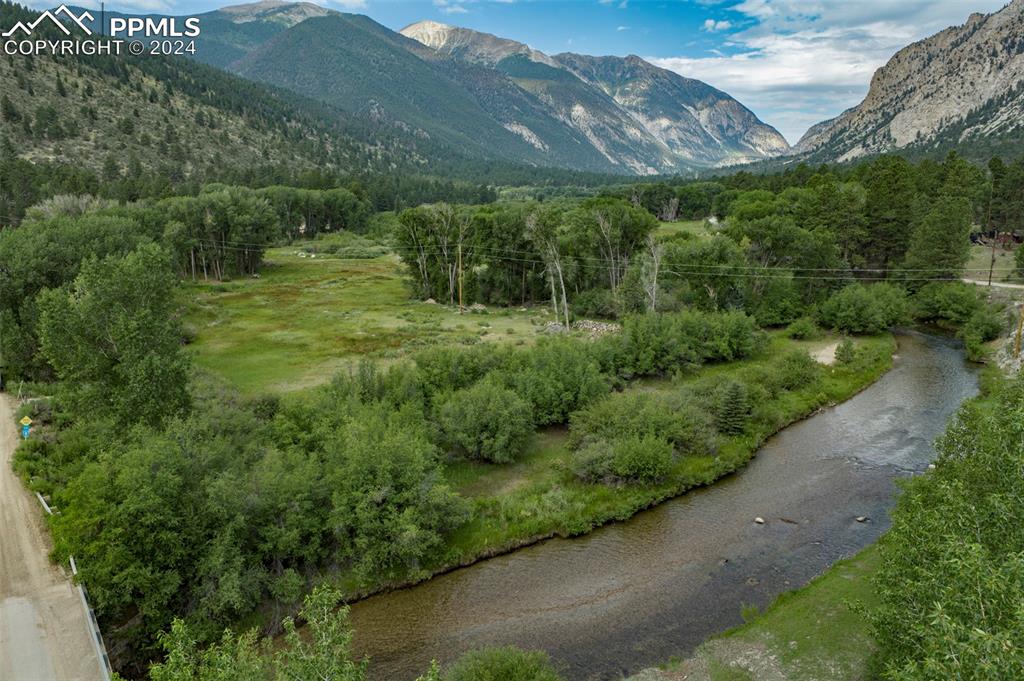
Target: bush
(597,302)
(345,244)
(795,370)
(674,418)
(732,408)
(845,353)
(863,309)
(502,664)
(949,301)
(777,303)
(443,369)
(803,329)
(641,459)
(984,325)
(556,377)
(959,526)
(630,458)
(659,344)
(486,421)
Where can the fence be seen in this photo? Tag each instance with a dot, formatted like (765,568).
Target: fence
(90,615)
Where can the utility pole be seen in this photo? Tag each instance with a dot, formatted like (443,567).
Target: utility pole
(1020,330)
(460,276)
(988,226)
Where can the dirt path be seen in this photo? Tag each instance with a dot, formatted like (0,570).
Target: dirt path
(826,355)
(997,284)
(44,633)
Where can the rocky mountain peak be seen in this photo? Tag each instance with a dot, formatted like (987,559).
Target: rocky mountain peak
(470,45)
(276,11)
(934,89)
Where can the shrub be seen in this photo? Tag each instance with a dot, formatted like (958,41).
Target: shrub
(675,418)
(442,369)
(845,353)
(950,301)
(862,309)
(486,421)
(803,329)
(959,525)
(796,369)
(653,344)
(777,303)
(984,324)
(641,459)
(502,664)
(556,377)
(732,408)
(597,302)
(630,458)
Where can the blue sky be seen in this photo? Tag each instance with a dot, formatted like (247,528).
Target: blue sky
(793,62)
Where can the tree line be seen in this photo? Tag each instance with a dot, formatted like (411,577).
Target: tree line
(773,252)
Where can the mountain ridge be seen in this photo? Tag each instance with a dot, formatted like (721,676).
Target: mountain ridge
(677,132)
(923,95)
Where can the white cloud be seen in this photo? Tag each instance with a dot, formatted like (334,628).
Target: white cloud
(712,26)
(802,61)
(622,28)
(451,6)
(350,4)
(126,6)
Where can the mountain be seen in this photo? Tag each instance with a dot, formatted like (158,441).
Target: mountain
(636,114)
(696,121)
(173,114)
(962,87)
(452,91)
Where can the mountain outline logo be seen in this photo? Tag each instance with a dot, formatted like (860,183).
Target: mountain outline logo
(78,20)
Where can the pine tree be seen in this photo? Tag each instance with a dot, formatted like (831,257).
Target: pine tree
(8,111)
(733,408)
(940,244)
(844,352)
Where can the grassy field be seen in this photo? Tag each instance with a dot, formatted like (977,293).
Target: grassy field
(981,259)
(807,634)
(305,318)
(695,227)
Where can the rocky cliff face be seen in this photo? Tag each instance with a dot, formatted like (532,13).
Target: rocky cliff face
(638,116)
(964,82)
(691,118)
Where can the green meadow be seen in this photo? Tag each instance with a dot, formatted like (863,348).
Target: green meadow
(306,318)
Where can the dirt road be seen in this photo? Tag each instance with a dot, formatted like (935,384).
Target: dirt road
(44,633)
(997,284)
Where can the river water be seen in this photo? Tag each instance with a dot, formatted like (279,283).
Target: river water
(630,595)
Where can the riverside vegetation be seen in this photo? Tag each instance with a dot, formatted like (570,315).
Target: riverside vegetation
(896,610)
(191,507)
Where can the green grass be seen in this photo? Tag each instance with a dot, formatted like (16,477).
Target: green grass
(981,259)
(810,633)
(305,318)
(693,227)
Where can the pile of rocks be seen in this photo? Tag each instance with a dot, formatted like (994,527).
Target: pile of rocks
(1005,359)
(587,327)
(595,329)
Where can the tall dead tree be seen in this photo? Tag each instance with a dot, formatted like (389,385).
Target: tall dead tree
(649,272)
(545,236)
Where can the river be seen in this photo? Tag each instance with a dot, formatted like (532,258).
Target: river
(632,594)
